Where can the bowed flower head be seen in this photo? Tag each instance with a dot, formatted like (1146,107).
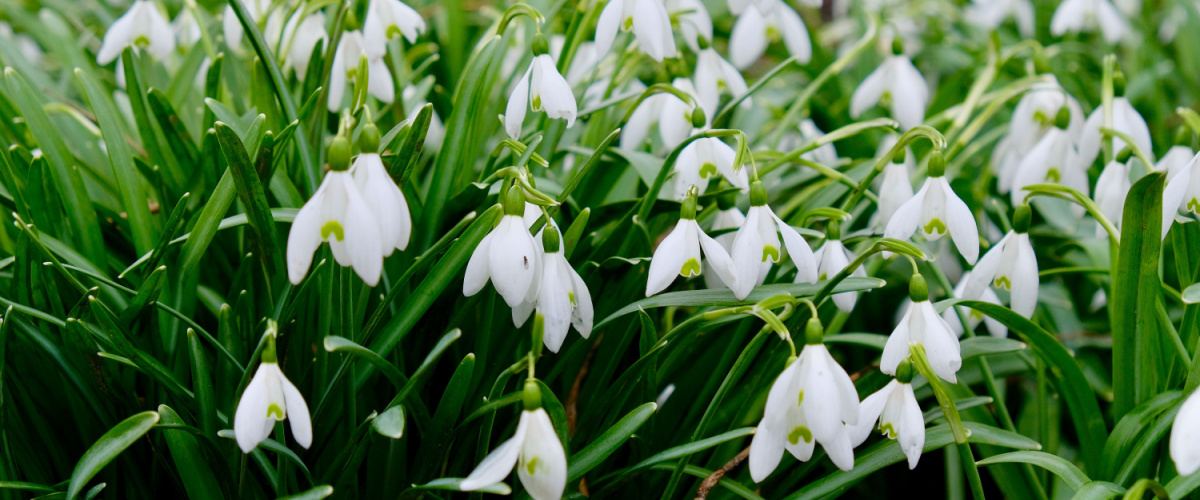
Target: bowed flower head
(1125,119)
(381,194)
(269,398)
(898,85)
(756,246)
(812,401)
(1053,159)
(679,253)
(899,415)
(714,73)
(534,450)
(1036,115)
(922,325)
(345,68)
(896,187)
(387,19)
(1182,194)
(507,256)
(337,213)
(973,317)
(703,159)
(563,299)
(542,88)
(831,259)
(1076,16)
(649,20)
(144,27)
(303,35)
(1011,265)
(1111,189)
(755,29)
(935,210)
(673,115)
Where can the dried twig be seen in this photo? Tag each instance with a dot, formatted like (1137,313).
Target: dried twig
(719,474)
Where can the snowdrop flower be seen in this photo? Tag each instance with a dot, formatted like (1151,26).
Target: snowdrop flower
(701,160)
(1076,16)
(899,415)
(990,14)
(269,398)
(1011,265)
(922,325)
(675,118)
(895,188)
(1185,436)
(650,23)
(935,210)
(1035,115)
(345,68)
(1053,159)
(563,299)
(694,22)
(534,450)
(300,36)
(1182,194)
(232,27)
(143,27)
(832,257)
(543,88)
(1125,119)
(973,317)
(755,29)
(756,246)
(736,7)
(337,213)
(714,74)
(679,253)
(728,216)
(812,401)
(1175,161)
(507,256)
(381,194)
(1111,188)
(387,19)
(897,85)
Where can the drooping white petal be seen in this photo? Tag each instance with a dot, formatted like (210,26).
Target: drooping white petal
(1185,436)
(500,462)
(869,91)
(553,301)
(799,251)
(961,224)
(608,25)
(716,257)
(795,33)
(305,236)
(297,412)
(362,237)
(1024,294)
(512,260)
(543,464)
(478,273)
(911,426)
(868,413)
(669,258)
(251,413)
(748,40)
(908,217)
(514,111)
(766,450)
(909,93)
(747,254)
(896,348)
(583,315)
(941,345)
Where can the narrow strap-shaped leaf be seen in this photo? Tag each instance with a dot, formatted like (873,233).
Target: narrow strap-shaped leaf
(195,472)
(1061,467)
(405,157)
(250,191)
(105,449)
(174,130)
(147,292)
(605,444)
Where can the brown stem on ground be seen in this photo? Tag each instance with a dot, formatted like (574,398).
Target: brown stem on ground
(719,474)
(573,398)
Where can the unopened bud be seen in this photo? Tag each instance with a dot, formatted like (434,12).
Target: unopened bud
(897,46)
(699,119)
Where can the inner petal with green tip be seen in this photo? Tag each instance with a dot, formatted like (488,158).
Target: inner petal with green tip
(690,268)
(335,228)
(800,432)
(935,226)
(770,252)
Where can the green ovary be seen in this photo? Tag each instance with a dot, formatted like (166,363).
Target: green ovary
(935,226)
(770,252)
(690,268)
(888,430)
(531,465)
(800,432)
(335,228)
(708,170)
(275,412)
(1053,175)
(1003,282)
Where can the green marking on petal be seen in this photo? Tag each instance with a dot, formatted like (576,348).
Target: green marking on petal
(531,465)
(690,268)
(571,295)
(773,33)
(1053,175)
(275,412)
(822,277)
(1193,206)
(935,226)
(1041,118)
(801,401)
(975,315)
(141,41)
(888,430)
(708,170)
(770,252)
(800,432)
(628,24)
(335,228)
(393,31)
(1002,282)
(537,103)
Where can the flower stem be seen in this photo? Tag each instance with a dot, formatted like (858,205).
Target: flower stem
(946,402)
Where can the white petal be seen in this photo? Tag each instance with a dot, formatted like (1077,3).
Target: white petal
(362,237)
(518,101)
(553,303)
(941,345)
(961,224)
(607,26)
(647,25)
(985,270)
(337,79)
(766,450)
(512,260)
(747,255)
(840,451)
(795,33)
(799,251)
(715,256)
(499,462)
(909,94)
(1185,436)
(1025,279)
(906,219)
(868,413)
(668,260)
(543,465)
(896,348)
(912,427)
(869,91)
(478,274)
(748,40)
(120,35)
(379,81)
(583,315)
(304,237)
(251,413)
(297,413)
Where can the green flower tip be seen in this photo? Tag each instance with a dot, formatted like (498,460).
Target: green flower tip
(918,291)
(514,201)
(1124,154)
(904,372)
(758,194)
(688,210)
(339,154)
(814,332)
(1021,217)
(368,139)
(698,117)
(540,46)
(532,395)
(1118,84)
(1063,119)
(550,239)
(937,164)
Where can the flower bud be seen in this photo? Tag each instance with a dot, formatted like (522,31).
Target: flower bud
(937,164)
(814,333)
(368,139)
(1021,217)
(918,291)
(551,241)
(1063,119)
(758,194)
(904,372)
(532,395)
(339,154)
(540,46)
(514,201)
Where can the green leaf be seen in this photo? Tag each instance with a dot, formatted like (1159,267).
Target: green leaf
(1099,490)
(334,343)
(254,199)
(105,449)
(676,452)
(455,484)
(1061,467)
(390,423)
(605,444)
(23,486)
(1132,426)
(198,477)
(436,443)
(314,494)
(405,157)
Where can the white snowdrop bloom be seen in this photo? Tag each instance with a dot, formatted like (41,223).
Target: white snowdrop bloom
(649,20)
(899,415)
(381,194)
(187,30)
(1053,159)
(1185,436)
(1125,120)
(755,29)
(507,256)
(143,26)
(679,253)
(1077,16)
(990,14)
(672,115)
(563,299)
(736,7)
(337,213)
(1175,161)
(812,401)
(895,186)
(387,19)
(269,398)
(702,160)
(832,257)
(973,317)
(922,325)
(542,88)
(1111,189)
(897,85)
(756,246)
(1182,194)
(232,28)
(300,37)
(713,75)
(1010,264)
(534,450)
(345,68)
(694,22)
(1035,115)
(728,216)
(935,210)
